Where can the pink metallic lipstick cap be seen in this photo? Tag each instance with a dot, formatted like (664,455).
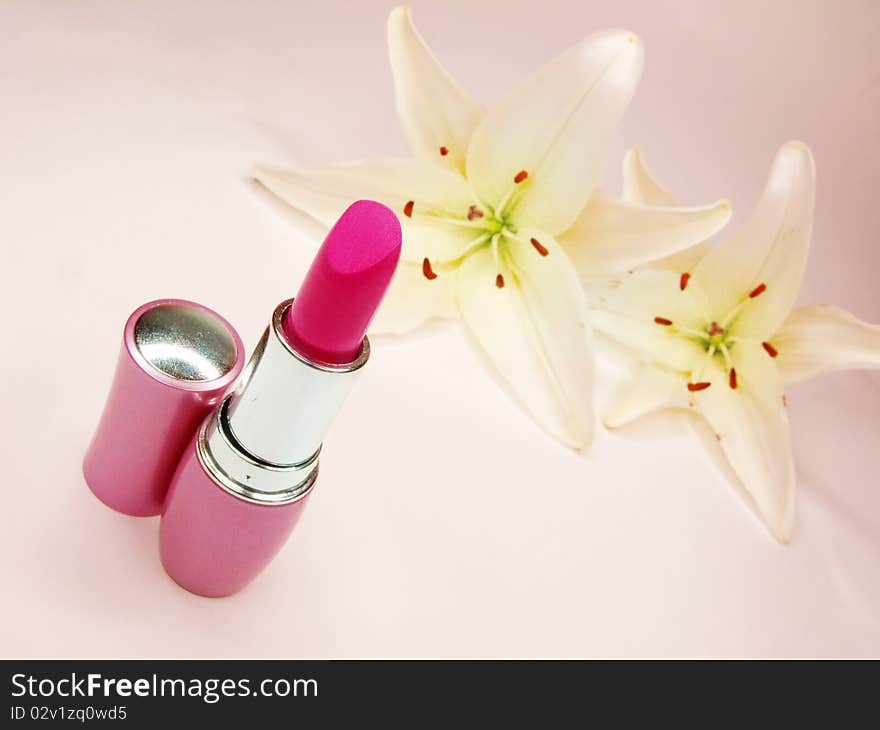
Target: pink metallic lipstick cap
(178,360)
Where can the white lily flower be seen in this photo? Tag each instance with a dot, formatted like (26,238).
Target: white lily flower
(720,336)
(498,210)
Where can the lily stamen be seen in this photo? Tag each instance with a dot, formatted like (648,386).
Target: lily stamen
(444,151)
(695,387)
(733,378)
(496,254)
(771,351)
(710,353)
(427,271)
(733,312)
(683,282)
(408,208)
(756,292)
(663,321)
(501,208)
(495,250)
(539,247)
(471,247)
(692,332)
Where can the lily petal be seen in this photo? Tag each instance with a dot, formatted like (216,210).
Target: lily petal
(771,248)
(752,429)
(557,127)
(611,236)
(640,187)
(628,314)
(324,194)
(652,389)
(534,331)
(435,112)
(817,338)
(412,299)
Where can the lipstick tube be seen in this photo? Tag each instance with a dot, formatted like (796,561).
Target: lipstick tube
(240,489)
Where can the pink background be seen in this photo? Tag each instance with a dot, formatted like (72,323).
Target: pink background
(127,133)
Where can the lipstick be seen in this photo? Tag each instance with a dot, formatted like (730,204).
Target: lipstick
(344,285)
(241,486)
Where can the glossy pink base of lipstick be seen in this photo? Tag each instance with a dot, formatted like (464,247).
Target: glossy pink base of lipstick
(345,284)
(214,544)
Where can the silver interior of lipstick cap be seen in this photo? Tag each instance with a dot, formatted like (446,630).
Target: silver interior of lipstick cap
(185,343)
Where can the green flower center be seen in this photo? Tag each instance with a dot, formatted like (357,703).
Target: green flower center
(492,227)
(715,339)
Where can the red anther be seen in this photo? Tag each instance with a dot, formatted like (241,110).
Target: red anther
(662,320)
(499,281)
(407,209)
(694,387)
(771,351)
(520,176)
(427,270)
(757,291)
(733,378)
(539,247)
(474,212)
(685,278)
(444,151)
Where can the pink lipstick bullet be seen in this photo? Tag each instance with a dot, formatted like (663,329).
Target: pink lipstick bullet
(240,488)
(344,286)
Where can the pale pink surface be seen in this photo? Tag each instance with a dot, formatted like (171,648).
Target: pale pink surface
(148,421)
(345,284)
(212,543)
(129,132)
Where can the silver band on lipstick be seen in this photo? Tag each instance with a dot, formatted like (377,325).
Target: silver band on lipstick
(285,403)
(262,443)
